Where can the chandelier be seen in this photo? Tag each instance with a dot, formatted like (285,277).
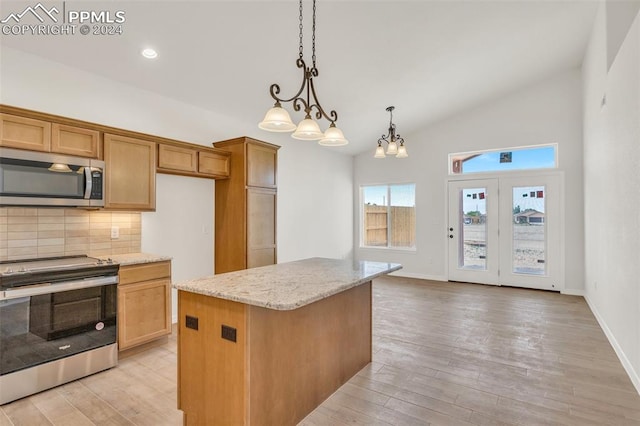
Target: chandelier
(277,118)
(392,141)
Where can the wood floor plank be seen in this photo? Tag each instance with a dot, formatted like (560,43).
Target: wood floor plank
(444,354)
(4,420)
(24,413)
(58,410)
(96,409)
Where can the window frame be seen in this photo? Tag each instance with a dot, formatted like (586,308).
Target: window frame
(452,156)
(362,231)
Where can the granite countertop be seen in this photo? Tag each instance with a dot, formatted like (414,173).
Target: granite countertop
(134,258)
(291,285)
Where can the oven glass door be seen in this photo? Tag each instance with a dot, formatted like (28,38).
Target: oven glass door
(46,327)
(26,178)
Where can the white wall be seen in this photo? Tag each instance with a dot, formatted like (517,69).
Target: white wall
(612,198)
(182,225)
(314,183)
(547,112)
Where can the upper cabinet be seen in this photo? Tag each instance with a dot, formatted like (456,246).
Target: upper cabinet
(25,133)
(132,158)
(192,160)
(261,165)
(131,173)
(39,135)
(75,141)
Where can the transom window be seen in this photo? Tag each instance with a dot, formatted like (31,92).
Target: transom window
(523,158)
(388,216)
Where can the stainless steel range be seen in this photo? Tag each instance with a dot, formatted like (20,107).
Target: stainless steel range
(57,322)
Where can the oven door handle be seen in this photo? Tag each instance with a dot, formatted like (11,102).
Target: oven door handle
(48,288)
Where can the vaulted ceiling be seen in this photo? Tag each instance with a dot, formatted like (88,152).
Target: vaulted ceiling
(430,59)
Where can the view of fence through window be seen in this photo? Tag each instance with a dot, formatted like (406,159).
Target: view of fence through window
(389,216)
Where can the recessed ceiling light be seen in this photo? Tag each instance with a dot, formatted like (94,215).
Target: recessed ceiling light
(149,53)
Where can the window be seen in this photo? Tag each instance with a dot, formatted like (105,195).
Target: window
(533,157)
(389,216)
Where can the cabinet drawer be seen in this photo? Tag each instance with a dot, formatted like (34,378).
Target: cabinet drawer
(148,271)
(213,164)
(177,158)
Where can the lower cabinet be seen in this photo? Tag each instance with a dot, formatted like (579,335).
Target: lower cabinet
(144,303)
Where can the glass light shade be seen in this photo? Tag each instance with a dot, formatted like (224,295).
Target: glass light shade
(277,119)
(402,152)
(60,168)
(333,137)
(308,130)
(379,152)
(392,149)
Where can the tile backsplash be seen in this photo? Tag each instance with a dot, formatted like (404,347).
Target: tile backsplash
(44,232)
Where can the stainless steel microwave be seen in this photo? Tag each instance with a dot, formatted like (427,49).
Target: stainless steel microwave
(30,178)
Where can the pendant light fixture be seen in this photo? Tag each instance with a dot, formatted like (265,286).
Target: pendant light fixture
(395,144)
(277,118)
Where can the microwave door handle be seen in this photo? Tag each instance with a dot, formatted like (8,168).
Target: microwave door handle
(88,182)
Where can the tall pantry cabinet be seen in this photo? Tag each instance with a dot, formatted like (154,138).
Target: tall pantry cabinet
(245,206)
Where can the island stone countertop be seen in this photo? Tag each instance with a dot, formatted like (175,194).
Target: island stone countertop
(291,285)
(134,258)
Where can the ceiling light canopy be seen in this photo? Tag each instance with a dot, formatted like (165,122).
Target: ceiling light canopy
(395,144)
(277,118)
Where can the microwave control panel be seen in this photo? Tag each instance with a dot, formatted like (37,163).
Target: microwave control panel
(96,185)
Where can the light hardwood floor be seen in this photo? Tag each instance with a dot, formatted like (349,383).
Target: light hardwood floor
(444,354)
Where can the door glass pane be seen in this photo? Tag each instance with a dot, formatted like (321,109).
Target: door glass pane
(473,226)
(528,255)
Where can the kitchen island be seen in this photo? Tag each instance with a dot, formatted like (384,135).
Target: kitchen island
(268,345)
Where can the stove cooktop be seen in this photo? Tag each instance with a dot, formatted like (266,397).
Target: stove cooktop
(29,271)
(10,267)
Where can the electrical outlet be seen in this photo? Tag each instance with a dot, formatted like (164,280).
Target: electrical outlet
(115,232)
(228,333)
(191,322)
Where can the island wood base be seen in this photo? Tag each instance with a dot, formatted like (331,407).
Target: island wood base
(283,364)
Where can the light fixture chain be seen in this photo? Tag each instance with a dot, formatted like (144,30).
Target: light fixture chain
(313,36)
(300,53)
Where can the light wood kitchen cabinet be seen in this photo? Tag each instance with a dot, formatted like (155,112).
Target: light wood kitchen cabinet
(214,164)
(39,135)
(131,173)
(261,227)
(25,133)
(177,158)
(75,141)
(245,206)
(190,161)
(144,303)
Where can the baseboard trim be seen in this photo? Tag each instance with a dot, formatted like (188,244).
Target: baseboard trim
(573,292)
(633,375)
(400,273)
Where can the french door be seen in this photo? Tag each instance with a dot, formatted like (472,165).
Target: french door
(506,231)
